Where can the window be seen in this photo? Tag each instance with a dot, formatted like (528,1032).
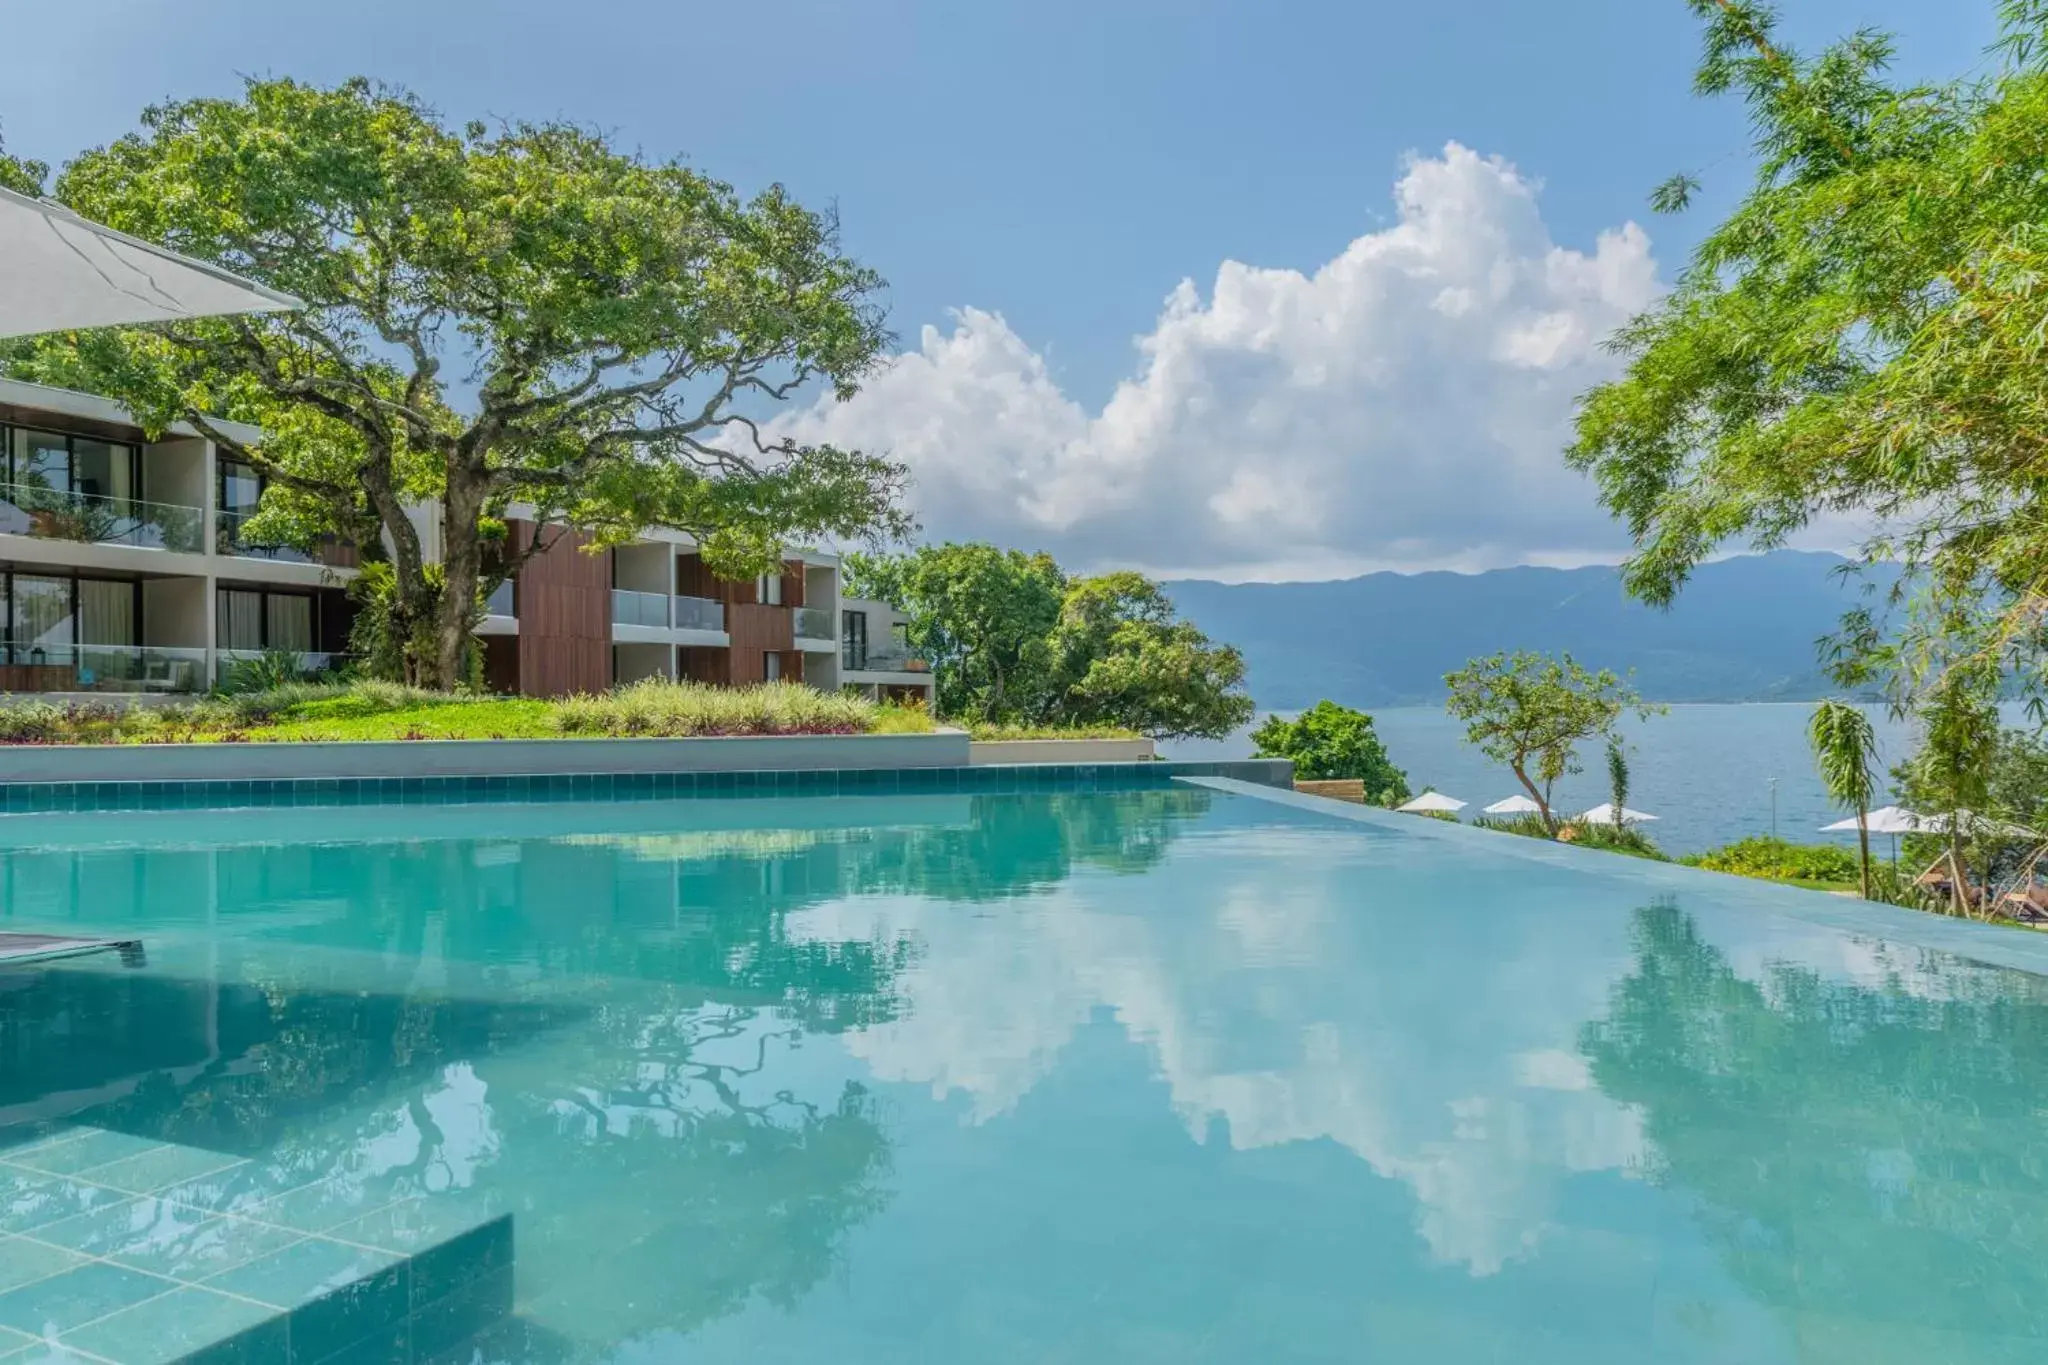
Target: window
(254,619)
(47,615)
(773,667)
(853,639)
(73,464)
(108,612)
(769,589)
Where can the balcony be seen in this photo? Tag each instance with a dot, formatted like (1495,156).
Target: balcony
(814,623)
(53,514)
(246,669)
(883,659)
(639,609)
(698,613)
(229,539)
(101,668)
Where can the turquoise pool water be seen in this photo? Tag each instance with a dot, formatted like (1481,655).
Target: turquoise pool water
(1171,1075)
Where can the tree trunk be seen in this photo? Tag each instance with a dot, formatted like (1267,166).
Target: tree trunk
(1540,798)
(1863,846)
(462,565)
(412,596)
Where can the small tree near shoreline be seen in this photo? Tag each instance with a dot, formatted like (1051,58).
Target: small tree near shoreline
(1531,712)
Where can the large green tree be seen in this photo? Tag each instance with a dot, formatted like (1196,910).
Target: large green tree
(980,615)
(1331,741)
(1530,713)
(1121,656)
(1865,335)
(504,316)
(1013,640)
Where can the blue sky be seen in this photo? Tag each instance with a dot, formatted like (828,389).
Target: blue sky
(1061,167)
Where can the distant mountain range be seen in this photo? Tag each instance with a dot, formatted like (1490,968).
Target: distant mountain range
(1744,629)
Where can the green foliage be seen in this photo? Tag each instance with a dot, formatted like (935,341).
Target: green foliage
(1002,731)
(1013,641)
(1530,713)
(617,326)
(379,710)
(1777,860)
(1865,335)
(1608,838)
(1331,741)
(1118,657)
(1617,776)
(266,672)
(1845,751)
(22,175)
(657,706)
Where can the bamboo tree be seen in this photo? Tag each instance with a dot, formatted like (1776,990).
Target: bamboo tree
(1845,752)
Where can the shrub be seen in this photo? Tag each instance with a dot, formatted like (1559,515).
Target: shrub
(1329,742)
(1763,856)
(1627,840)
(656,706)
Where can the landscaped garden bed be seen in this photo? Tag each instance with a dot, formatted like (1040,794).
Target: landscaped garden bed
(370,711)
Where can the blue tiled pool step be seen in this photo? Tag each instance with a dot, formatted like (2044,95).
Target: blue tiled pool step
(27,797)
(119,1250)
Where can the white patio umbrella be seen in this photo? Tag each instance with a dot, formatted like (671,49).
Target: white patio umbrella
(1884,820)
(59,271)
(1432,802)
(1514,805)
(1603,814)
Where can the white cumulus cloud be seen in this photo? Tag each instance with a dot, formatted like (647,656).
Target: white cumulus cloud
(1403,406)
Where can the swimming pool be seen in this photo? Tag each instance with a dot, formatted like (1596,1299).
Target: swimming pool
(1181,1074)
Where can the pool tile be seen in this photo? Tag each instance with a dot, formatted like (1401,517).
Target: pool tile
(459,1262)
(412,1226)
(95,1148)
(149,1172)
(303,1271)
(367,1305)
(189,1326)
(240,1188)
(77,1296)
(24,1261)
(381,1347)
(164,1238)
(31,1199)
(320,1206)
(447,1323)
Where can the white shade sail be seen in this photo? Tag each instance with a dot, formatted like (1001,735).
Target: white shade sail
(1603,814)
(1434,801)
(1514,805)
(59,271)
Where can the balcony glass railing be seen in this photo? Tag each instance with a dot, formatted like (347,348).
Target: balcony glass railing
(101,668)
(698,613)
(814,623)
(499,603)
(234,668)
(640,608)
(229,539)
(883,659)
(52,514)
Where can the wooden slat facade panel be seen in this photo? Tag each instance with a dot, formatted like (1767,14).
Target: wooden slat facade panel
(565,616)
(694,580)
(760,628)
(793,583)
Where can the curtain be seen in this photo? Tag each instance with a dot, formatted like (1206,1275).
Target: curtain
(239,620)
(42,626)
(106,613)
(290,619)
